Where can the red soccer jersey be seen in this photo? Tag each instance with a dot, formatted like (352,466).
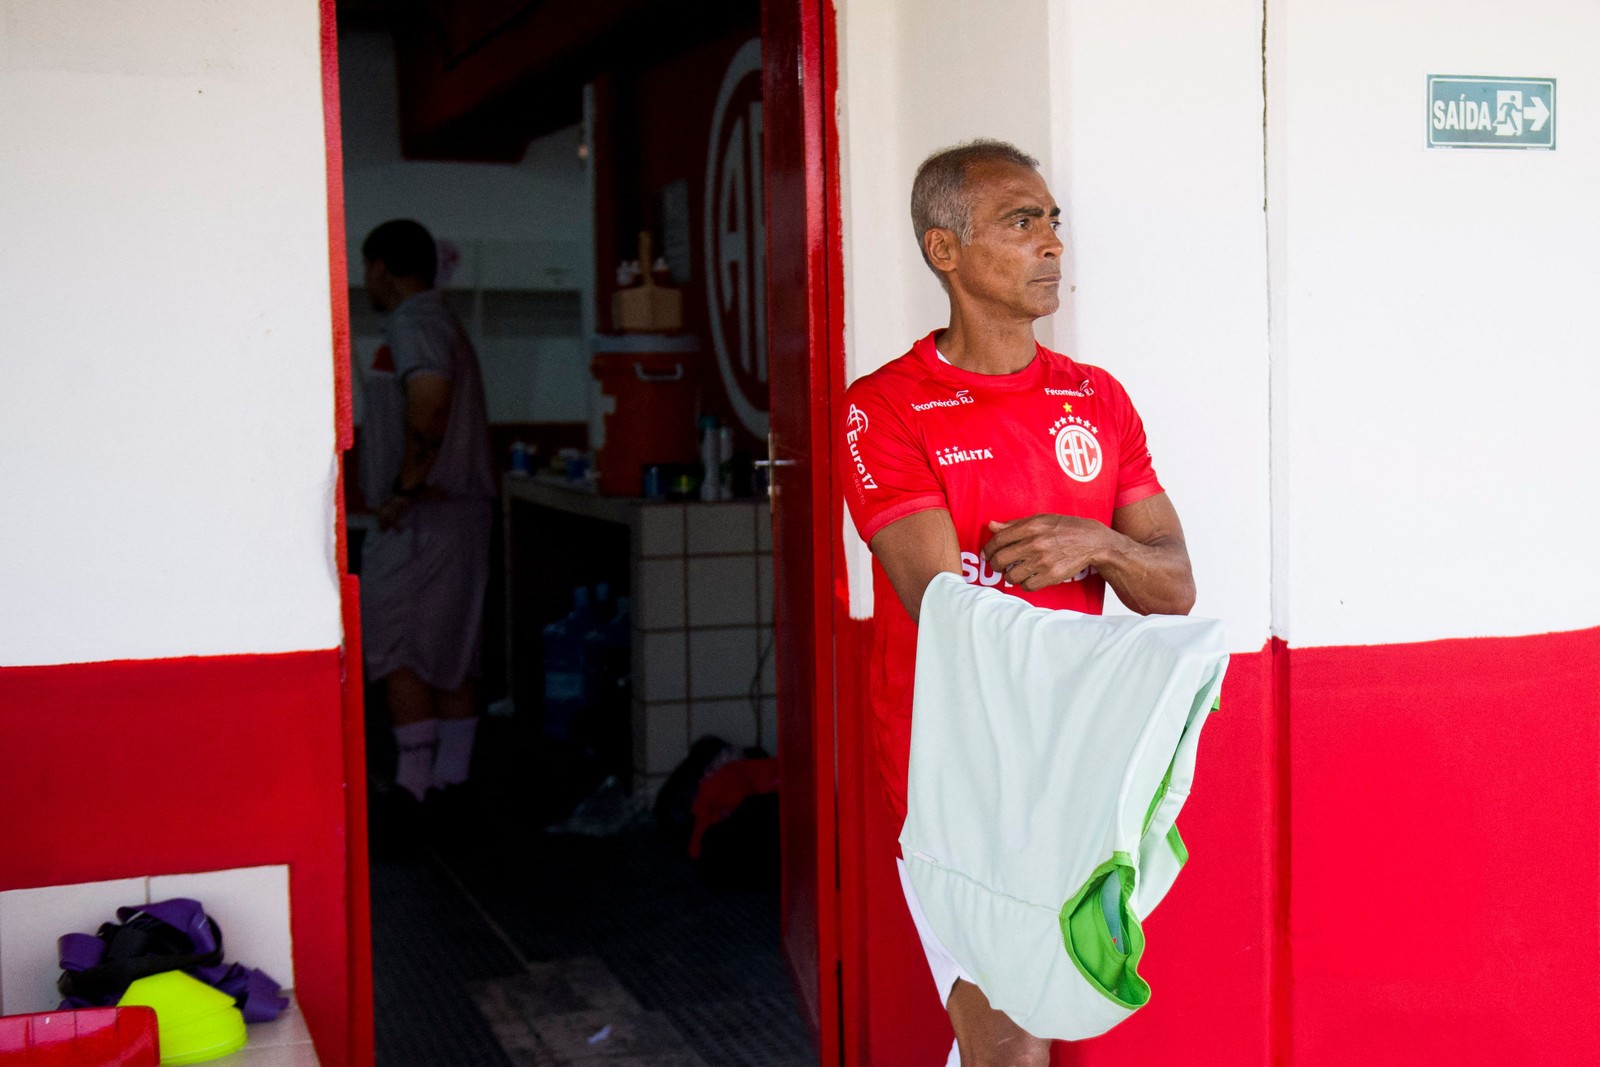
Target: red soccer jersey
(1057,437)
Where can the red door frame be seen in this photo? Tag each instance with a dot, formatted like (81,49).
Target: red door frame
(800,57)
(805,336)
(856,909)
(805,341)
(358,896)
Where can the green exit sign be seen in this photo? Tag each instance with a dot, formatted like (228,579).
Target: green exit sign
(1468,112)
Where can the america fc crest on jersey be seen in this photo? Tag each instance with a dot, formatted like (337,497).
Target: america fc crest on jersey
(1078,448)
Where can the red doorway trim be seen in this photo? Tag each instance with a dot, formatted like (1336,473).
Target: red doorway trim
(1280,963)
(831,384)
(338,274)
(360,1050)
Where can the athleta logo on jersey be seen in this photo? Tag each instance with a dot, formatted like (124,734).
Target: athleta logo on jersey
(949,457)
(956,401)
(856,425)
(1078,448)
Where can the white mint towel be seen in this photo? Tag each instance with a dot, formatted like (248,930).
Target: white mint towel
(1050,754)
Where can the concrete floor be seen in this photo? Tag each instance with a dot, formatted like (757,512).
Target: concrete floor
(496,943)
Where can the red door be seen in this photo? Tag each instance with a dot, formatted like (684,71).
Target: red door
(803,330)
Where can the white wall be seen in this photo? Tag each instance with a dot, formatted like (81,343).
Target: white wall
(166,414)
(522,226)
(1157,164)
(1437,328)
(899,102)
(1404,453)
(1147,119)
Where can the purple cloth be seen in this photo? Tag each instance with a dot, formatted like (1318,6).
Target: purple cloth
(180,912)
(79,952)
(254,992)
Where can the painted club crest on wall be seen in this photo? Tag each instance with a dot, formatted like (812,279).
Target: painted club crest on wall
(736,240)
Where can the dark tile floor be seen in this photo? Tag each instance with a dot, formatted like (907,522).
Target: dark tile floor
(497,944)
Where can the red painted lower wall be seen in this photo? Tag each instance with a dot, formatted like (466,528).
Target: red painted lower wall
(170,766)
(1395,860)
(1446,852)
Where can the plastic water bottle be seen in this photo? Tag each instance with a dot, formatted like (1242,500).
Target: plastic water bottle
(565,680)
(606,649)
(725,463)
(710,459)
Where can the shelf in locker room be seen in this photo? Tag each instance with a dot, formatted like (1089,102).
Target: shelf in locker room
(657,534)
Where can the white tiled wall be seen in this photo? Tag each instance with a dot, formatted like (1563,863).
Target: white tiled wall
(250,904)
(661,531)
(769,723)
(659,733)
(722,590)
(703,611)
(722,662)
(733,720)
(30,922)
(664,654)
(722,528)
(663,608)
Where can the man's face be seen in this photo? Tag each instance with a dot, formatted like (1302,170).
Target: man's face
(1013,261)
(378,285)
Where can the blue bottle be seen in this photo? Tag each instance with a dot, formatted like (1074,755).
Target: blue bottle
(565,676)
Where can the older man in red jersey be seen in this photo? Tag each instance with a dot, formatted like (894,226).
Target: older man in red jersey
(983,453)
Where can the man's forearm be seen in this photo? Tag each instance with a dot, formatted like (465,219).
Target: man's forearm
(427,416)
(913,550)
(1142,556)
(417,461)
(1151,578)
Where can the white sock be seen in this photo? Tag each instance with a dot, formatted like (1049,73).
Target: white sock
(454,760)
(417,743)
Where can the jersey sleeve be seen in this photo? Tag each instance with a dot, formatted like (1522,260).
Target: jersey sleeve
(1136,473)
(882,464)
(420,343)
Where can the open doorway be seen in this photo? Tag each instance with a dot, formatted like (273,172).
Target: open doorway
(592,173)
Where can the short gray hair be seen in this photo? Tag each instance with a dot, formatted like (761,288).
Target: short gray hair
(939,197)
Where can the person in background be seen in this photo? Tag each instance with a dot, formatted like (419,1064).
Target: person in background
(983,453)
(427,473)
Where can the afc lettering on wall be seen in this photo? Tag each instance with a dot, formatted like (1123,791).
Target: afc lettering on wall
(736,240)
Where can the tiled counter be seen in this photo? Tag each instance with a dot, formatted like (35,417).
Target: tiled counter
(700,578)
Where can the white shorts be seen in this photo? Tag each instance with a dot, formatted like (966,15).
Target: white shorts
(422,589)
(943,966)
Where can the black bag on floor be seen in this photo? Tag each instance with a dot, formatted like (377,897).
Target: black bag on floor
(741,853)
(674,805)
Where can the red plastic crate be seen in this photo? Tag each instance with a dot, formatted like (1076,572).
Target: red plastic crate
(89,1037)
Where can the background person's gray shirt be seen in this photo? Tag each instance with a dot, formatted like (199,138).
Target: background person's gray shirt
(423,334)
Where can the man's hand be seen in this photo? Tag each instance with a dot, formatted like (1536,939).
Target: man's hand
(1142,555)
(1045,549)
